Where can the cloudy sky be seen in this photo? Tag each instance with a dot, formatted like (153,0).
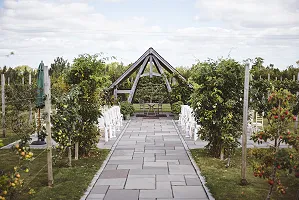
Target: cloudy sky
(182,31)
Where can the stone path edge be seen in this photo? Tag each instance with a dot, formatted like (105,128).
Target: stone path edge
(202,179)
(97,175)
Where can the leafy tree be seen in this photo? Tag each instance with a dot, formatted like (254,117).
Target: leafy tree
(66,122)
(277,159)
(58,72)
(181,91)
(59,66)
(151,89)
(217,103)
(88,75)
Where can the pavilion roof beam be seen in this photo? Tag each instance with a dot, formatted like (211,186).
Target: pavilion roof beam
(168,67)
(133,89)
(151,66)
(160,69)
(130,70)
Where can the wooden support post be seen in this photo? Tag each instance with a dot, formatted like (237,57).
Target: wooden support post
(8,81)
(137,79)
(268,77)
(30,106)
(294,78)
(3,104)
(47,85)
(115,95)
(280,78)
(23,80)
(245,124)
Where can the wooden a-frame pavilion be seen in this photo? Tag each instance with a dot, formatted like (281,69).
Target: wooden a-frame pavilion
(154,59)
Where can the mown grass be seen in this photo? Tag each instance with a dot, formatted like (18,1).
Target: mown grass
(224,183)
(9,138)
(69,182)
(165,108)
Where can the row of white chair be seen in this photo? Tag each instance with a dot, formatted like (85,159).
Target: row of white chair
(188,123)
(110,122)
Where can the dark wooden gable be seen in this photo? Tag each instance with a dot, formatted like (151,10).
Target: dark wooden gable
(155,60)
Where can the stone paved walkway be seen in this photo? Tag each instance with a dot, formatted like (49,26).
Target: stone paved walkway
(149,162)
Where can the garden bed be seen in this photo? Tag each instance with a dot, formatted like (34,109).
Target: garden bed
(69,182)
(224,183)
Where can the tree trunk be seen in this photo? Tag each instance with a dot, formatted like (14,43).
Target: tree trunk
(70,153)
(271,186)
(222,154)
(76,150)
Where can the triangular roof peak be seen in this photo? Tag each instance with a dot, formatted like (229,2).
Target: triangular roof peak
(152,56)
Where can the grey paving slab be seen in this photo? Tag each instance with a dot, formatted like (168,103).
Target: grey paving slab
(147,198)
(179,199)
(148,171)
(95,196)
(121,158)
(163,178)
(107,167)
(115,181)
(140,183)
(189,192)
(149,159)
(112,174)
(155,164)
(181,169)
(178,183)
(136,166)
(99,189)
(159,193)
(148,162)
(193,181)
(163,185)
(122,195)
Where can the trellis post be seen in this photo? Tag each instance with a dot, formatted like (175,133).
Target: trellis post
(30,108)
(3,104)
(245,124)
(47,85)
(297,94)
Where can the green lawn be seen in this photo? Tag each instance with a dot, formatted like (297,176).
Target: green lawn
(69,182)
(224,182)
(10,137)
(165,108)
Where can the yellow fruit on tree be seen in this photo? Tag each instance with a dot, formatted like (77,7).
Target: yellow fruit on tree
(23,153)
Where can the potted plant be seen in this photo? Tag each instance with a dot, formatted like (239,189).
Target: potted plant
(126,109)
(176,109)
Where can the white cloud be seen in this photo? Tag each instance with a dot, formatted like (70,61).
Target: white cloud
(114,1)
(250,13)
(42,30)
